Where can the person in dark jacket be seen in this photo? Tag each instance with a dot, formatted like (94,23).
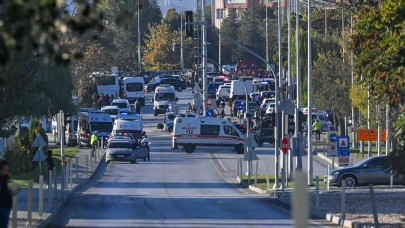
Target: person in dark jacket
(49,164)
(137,105)
(6,194)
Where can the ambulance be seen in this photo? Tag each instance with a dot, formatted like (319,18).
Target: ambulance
(190,132)
(164,100)
(128,123)
(91,121)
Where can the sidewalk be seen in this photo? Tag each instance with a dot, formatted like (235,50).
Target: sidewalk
(50,202)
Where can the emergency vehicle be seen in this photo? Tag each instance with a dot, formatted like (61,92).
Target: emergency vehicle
(71,130)
(164,99)
(91,121)
(191,132)
(128,123)
(133,89)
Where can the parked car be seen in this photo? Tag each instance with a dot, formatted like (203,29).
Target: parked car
(369,171)
(263,135)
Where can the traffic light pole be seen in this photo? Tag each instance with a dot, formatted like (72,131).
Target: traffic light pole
(181,42)
(309,120)
(204,56)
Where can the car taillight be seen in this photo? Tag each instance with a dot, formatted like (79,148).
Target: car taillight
(125,94)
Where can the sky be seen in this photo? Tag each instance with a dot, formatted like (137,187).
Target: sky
(177,4)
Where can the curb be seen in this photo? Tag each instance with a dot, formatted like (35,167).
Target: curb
(46,219)
(250,187)
(345,223)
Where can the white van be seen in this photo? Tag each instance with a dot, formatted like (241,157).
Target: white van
(223,91)
(111,110)
(164,100)
(134,89)
(128,124)
(238,90)
(191,132)
(123,104)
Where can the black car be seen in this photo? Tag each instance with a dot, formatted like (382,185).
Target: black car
(263,135)
(178,83)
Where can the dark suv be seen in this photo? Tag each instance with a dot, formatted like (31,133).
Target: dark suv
(178,83)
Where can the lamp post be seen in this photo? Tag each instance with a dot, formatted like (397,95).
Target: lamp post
(139,43)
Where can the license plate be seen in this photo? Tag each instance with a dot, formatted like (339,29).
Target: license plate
(120,156)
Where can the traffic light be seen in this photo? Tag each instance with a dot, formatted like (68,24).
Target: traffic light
(189,24)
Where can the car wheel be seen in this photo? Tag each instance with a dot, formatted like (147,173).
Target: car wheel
(179,88)
(350,181)
(108,162)
(144,159)
(239,149)
(155,113)
(170,129)
(260,143)
(189,148)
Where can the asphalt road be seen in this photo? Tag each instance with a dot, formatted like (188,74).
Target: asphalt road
(174,189)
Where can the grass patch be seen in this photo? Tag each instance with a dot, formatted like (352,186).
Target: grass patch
(261,181)
(23,179)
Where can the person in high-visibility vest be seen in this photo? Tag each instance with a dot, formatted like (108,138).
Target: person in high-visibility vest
(93,142)
(317,127)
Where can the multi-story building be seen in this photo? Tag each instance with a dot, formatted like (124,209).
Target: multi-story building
(222,7)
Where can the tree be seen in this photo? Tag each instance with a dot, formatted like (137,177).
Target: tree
(379,46)
(250,33)
(172,19)
(331,78)
(230,26)
(158,50)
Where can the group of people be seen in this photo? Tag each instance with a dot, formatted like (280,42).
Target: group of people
(102,100)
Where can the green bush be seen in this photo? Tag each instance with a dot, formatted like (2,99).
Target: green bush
(19,159)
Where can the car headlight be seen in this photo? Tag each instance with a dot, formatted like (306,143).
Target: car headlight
(335,173)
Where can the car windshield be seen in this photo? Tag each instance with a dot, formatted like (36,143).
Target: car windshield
(120,105)
(101,126)
(123,145)
(171,116)
(134,87)
(111,111)
(164,97)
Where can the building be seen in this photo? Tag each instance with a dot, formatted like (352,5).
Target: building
(222,7)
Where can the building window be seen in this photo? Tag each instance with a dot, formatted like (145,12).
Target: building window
(220,14)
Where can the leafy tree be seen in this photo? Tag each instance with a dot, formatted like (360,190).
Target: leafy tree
(331,78)
(230,26)
(158,52)
(172,19)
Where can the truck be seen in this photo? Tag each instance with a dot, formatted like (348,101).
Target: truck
(238,91)
(164,99)
(106,83)
(91,121)
(193,132)
(134,89)
(246,68)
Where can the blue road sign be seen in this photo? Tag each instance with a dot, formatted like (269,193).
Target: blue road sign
(209,112)
(333,137)
(239,107)
(343,142)
(343,152)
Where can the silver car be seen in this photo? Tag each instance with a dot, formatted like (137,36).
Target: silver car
(125,150)
(369,171)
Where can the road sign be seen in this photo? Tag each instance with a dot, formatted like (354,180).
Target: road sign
(343,146)
(284,145)
(250,143)
(39,142)
(332,150)
(370,134)
(239,106)
(209,112)
(332,137)
(287,106)
(343,142)
(39,156)
(344,160)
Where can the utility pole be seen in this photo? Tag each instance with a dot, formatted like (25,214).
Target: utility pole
(352,66)
(219,35)
(387,129)
(277,97)
(139,43)
(379,130)
(309,119)
(326,20)
(290,81)
(267,35)
(181,41)
(204,55)
(370,153)
(298,78)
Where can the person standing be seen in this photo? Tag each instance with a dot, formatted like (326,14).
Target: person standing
(317,127)
(6,194)
(49,164)
(137,105)
(93,142)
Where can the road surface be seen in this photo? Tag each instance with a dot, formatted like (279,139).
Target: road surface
(174,189)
